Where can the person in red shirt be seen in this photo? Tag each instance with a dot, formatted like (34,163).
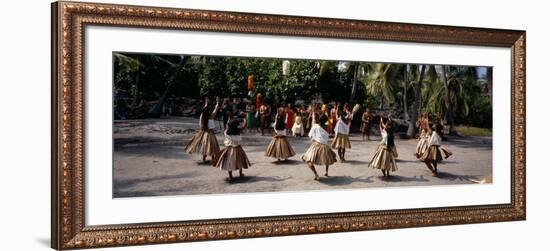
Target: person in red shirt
(289,118)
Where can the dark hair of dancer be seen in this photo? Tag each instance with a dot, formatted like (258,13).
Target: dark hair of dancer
(280,123)
(205,115)
(389,131)
(322,119)
(437,126)
(233,125)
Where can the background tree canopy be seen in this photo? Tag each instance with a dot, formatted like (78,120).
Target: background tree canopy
(461,93)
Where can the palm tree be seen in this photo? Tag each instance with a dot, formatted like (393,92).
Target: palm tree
(382,82)
(452,92)
(156,110)
(411,131)
(405,87)
(490,83)
(358,69)
(130,65)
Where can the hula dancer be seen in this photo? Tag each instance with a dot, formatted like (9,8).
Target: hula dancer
(232,157)
(341,140)
(383,158)
(422,144)
(333,117)
(393,146)
(435,152)
(204,141)
(319,153)
(279,147)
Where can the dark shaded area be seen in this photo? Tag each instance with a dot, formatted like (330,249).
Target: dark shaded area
(452,177)
(343,180)
(399,178)
(121,184)
(163,150)
(252,179)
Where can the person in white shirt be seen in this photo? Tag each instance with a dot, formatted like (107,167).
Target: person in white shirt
(341,140)
(204,141)
(384,158)
(298,127)
(319,152)
(279,147)
(232,157)
(435,152)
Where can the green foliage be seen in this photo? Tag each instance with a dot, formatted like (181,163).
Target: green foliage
(469,104)
(474,131)
(385,81)
(145,77)
(212,77)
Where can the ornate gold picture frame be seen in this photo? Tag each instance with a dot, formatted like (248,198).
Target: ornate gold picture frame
(69,230)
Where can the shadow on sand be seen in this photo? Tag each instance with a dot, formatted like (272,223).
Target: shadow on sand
(251,179)
(399,178)
(453,177)
(121,184)
(355,162)
(288,162)
(343,180)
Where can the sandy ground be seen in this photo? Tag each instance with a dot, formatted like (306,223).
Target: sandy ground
(149,160)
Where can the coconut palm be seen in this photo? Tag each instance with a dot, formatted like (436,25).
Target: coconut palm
(382,82)
(452,92)
(417,101)
(156,110)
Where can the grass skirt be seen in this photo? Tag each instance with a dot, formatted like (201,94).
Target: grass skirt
(231,158)
(421,146)
(279,148)
(436,153)
(383,159)
(204,143)
(341,141)
(319,154)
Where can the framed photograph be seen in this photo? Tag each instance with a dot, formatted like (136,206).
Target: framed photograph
(177,125)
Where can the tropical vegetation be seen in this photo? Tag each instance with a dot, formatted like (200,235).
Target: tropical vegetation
(461,95)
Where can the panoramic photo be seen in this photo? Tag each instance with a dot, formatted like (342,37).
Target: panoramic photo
(193,124)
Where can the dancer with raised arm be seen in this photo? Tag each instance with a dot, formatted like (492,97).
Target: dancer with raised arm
(422,144)
(232,157)
(204,142)
(341,131)
(279,147)
(435,152)
(383,158)
(319,152)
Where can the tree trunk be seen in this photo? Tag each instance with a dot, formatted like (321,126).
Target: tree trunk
(490,84)
(135,91)
(405,84)
(449,113)
(156,110)
(354,83)
(411,131)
